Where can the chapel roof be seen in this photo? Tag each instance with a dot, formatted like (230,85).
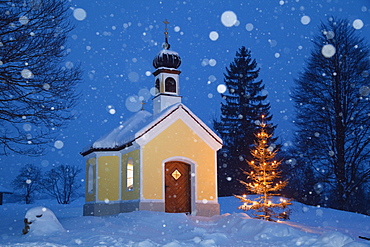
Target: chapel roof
(5,190)
(138,125)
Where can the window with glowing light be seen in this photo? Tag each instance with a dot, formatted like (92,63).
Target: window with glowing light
(90,180)
(130,174)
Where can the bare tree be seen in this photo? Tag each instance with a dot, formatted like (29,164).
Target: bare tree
(28,182)
(61,183)
(332,113)
(37,91)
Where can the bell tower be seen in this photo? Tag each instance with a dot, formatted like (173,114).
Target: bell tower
(167,90)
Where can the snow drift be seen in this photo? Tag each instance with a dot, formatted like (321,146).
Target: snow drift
(309,226)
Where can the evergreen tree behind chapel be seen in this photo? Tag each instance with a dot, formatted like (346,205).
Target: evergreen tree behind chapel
(243,104)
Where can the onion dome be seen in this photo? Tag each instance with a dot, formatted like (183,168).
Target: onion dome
(166,58)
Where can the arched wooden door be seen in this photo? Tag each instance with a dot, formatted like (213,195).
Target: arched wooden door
(177,187)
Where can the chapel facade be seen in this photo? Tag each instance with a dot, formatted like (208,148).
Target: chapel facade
(161,161)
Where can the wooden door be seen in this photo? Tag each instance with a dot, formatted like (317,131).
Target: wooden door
(177,187)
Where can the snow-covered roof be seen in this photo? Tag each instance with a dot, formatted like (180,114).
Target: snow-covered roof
(122,134)
(137,126)
(166,51)
(167,58)
(5,190)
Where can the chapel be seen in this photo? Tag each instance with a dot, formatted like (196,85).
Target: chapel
(164,160)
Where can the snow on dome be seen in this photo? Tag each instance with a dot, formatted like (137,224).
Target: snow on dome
(123,133)
(41,221)
(168,59)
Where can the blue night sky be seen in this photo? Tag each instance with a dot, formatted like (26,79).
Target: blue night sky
(117,40)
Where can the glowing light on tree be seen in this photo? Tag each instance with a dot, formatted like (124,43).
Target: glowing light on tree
(264,180)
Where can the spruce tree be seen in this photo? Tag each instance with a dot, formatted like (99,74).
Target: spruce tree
(243,104)
(264,176)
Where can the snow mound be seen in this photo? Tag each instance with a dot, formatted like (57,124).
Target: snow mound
(306,228)
(42,222)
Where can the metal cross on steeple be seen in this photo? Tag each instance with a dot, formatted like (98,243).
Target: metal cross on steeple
(166,45)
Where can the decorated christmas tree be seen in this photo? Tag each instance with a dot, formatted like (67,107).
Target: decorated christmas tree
(264,180)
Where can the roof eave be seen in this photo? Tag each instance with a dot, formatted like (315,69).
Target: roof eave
(116,148)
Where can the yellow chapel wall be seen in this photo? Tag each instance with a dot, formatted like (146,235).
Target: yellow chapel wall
(90,196)
(178,140)
(135,193)
(108,178)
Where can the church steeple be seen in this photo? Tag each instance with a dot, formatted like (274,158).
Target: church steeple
(166,45)
(166,76)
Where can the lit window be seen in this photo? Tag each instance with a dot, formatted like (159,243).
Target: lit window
(170,85)
(130,174)
(90,179)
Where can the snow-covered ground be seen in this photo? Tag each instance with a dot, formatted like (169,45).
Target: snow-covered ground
(309,226)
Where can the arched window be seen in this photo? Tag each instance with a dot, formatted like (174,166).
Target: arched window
(170,85)
(90,179)
(157,86)
(130,174)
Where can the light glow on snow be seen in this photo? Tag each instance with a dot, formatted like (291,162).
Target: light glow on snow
(308,226)
(228,18)
(79,14)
